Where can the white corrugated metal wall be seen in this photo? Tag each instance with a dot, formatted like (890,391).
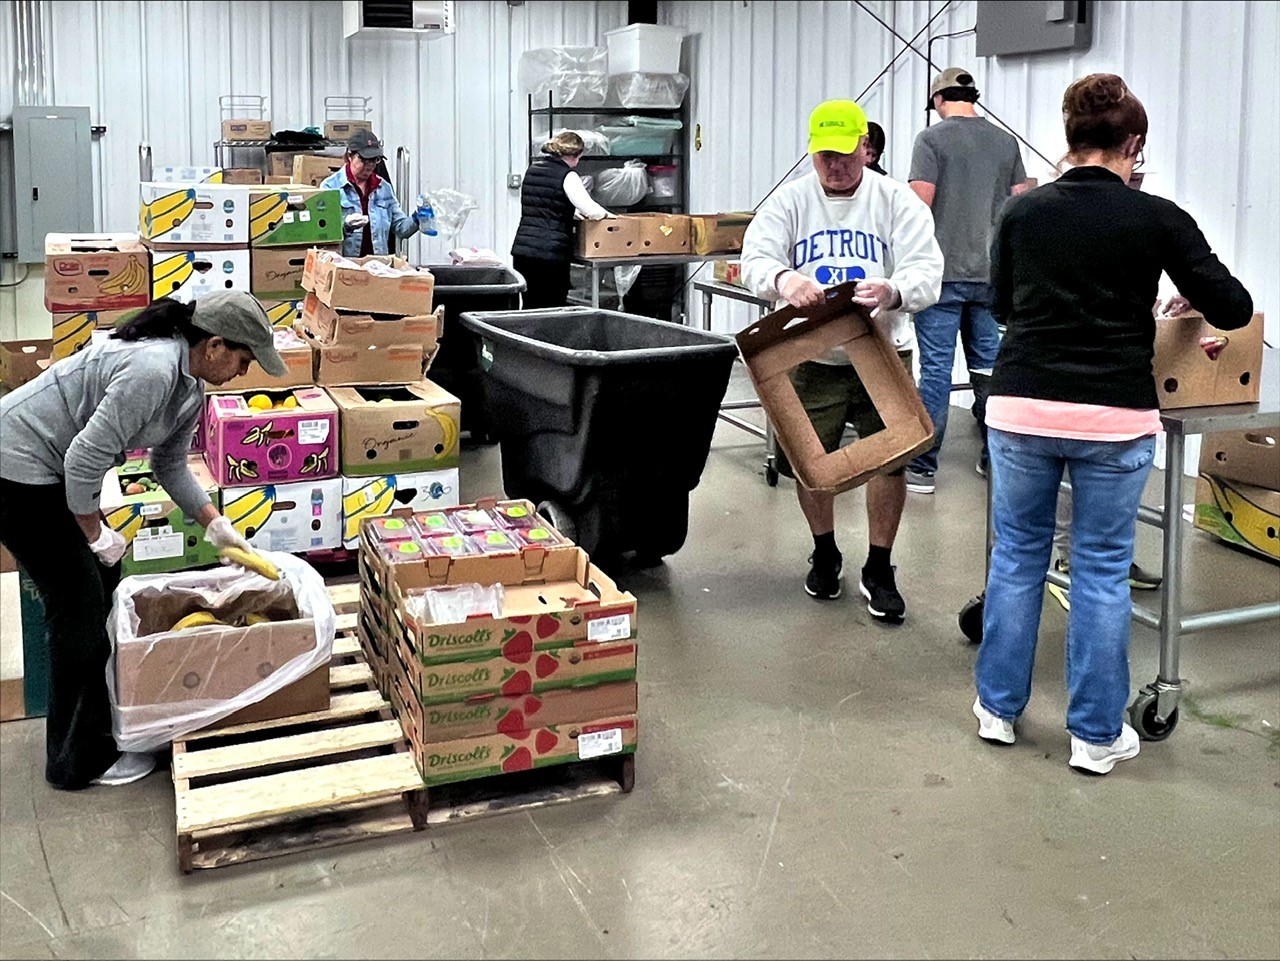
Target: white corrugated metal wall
(1203,69)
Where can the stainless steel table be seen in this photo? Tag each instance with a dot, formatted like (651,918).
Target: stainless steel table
(709,290)
(596,264)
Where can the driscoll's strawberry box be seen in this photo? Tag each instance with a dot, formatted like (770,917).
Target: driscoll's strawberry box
(515,716)
(271,436)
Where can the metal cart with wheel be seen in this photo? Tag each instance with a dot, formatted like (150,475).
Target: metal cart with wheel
(1154,711)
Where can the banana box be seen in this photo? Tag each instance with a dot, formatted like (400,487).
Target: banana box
(160,537)
(187,175)
(73,332)
(354,328)
(282,313)
(94,272)
(294,215)
(23,360)
(186,215)
(1249,456)
(188,275)
(276,272)
(389,429)
(1239,514)
(294,518)
(272,436)
(296,354)
(366,497)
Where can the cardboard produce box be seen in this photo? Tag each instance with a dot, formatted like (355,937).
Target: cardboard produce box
(282,313)
(94,272)
(160,537)
(308,694)
(366,497)
(293,518)
(248,445)
(344,284)
(719,233)
(619,237)
(513,715)
(186,175)
(280,163)
(275,273)
(108,320)
(246,130)
(773,346)
(335,366)
(314,169)
(663,233)
(1188,375)
(179,216)
(188,275)
(345,129)
(1239,514)
(294,216)
(21,360)
(389,429)
(296,354)
(728,272)
(279,179)
(351,328)
(250,176)
(1248,456)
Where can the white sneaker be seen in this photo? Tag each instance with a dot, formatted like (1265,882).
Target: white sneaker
(990,727)
(1101,758)
(129,767)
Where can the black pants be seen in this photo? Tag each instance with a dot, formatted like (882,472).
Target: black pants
(546,281)
(42,534)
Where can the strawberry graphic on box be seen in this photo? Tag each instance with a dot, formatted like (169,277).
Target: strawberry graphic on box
(517,647)
(546,740)
(516,759)
(515,683)
(548,625)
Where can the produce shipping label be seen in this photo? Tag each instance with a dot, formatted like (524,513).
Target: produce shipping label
(599,743)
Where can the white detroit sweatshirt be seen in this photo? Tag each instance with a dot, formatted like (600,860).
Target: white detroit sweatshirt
(883,230)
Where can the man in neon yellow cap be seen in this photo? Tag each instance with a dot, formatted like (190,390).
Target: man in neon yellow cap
(845,223)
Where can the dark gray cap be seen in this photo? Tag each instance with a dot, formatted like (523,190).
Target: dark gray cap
(236,316)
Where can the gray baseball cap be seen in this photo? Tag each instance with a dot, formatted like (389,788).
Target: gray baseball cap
(236,316)
(950,79)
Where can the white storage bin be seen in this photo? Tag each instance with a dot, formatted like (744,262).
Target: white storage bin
(644,48)
(662,90)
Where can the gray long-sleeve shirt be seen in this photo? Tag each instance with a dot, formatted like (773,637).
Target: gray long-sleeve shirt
(75,421)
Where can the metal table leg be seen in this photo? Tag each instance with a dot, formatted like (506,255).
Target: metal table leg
(706,310)
(595,286)
(1168,681)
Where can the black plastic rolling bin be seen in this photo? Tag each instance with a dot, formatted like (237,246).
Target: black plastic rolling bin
(604,418)
(460,288)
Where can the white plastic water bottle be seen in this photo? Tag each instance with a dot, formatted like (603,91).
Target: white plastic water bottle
(426,217)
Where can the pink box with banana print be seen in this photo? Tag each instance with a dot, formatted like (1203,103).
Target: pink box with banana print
(271,437)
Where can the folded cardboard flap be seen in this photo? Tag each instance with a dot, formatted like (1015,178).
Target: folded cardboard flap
(1188,375)
(778,343)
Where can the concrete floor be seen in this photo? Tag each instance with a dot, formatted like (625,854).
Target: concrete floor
(809,785)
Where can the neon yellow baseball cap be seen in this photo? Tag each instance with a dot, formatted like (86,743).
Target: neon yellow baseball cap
(836,125)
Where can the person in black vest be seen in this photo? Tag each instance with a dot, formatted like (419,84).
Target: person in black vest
(552,197)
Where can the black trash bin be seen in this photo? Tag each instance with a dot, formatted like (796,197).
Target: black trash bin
(459,288)
(604,418)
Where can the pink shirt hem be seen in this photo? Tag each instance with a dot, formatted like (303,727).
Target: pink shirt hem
(1056,418)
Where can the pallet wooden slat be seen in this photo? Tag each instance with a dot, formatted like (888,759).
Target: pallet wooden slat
(349,675)
(281,750)
(345,597)
(346,626)
(341,706)
(294,792)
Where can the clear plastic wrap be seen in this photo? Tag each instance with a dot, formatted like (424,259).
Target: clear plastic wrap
(164,684)
(658,90)
(643,136)
(664,181)
(622,186)
(594,143)
(574,76)
(452,209)
(455,603)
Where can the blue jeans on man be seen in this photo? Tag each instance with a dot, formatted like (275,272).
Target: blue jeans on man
(1107,479)
(964,310)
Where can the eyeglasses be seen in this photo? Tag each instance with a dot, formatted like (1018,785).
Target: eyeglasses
(1137,164)
(368,161)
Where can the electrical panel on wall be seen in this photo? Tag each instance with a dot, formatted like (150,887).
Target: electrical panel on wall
(53,175)
(1011,27)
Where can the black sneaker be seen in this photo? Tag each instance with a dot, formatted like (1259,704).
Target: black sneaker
(884,603)
(823,581)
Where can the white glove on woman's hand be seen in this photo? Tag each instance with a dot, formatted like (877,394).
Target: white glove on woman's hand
(354,221)
(221,533)
(109,547)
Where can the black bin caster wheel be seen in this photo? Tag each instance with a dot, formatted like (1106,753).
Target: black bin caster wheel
(771,475)
(1142,716)
(971,619)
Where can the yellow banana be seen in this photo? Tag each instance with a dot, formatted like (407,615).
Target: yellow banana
(165,213)
(285,313)
(251,510)
(171,273)
(130,280)
(251,619)
(251,562)
(372,499)
(214,178)
(265,213)
(449,431)
(198,619)
(72,334)
(126,521)
(1254,525)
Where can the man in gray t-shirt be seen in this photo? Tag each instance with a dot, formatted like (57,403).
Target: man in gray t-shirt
(964,168)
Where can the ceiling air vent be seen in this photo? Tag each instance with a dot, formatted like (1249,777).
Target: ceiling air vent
(424,18)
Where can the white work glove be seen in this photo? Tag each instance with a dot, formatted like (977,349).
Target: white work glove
(1176,305)
(354,221)
(221,533)
(801,291)
(109,547)
(876,294)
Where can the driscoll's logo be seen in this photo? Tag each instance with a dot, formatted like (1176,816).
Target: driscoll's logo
(458,716)
(480,753)
(479,676)
(479,636)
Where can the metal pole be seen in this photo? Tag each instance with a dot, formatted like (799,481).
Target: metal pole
(595,285)
(144,161)
(706,310)
(1168,680)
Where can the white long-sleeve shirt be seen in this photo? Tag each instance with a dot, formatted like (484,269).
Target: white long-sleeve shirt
(576,191)
(883,230)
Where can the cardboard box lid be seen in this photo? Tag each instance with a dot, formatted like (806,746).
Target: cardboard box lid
(61,245)
(351,400)
(778,343)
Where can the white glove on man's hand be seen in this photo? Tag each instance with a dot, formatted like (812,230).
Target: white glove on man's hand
(354,221)
(109,547)
(221,533)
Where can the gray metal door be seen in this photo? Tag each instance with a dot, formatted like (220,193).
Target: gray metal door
(53,175)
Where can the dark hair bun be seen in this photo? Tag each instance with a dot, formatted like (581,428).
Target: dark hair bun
(1095,93)
(1101,112)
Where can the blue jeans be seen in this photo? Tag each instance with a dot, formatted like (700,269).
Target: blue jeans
(1107,479)
(965,310)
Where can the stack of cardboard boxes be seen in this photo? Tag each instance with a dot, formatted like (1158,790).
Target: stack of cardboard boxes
(541,673)
(284,221)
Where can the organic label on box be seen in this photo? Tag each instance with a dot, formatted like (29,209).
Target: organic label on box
(599,743)
(313,431)
(614,628)
(159,546)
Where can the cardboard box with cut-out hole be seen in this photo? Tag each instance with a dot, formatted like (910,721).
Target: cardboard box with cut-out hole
(95,272)
(1197,365)
(780,342)
(397,429)
(1248,456)
(188,275)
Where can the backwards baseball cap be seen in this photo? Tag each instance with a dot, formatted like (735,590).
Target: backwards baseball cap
(365,144)
(237,316)
(836,125)
(951,79)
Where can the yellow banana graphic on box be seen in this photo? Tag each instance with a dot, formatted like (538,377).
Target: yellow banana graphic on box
(1254,525)
(170,273)
(285,313)
(372,499)
(315,463)
(239,469)
(165,213)
(265,213)
(449,431)
(126,521)
(251,510)
(72,334)
(258,436)
(131,280)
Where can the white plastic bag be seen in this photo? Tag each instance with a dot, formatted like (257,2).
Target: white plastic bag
(451,209)
(594,143)
(653,90)
(622,186)
(574,76)
(165,684)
